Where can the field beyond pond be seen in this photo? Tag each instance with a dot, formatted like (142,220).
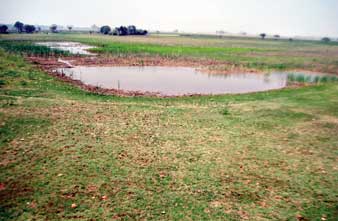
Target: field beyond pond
(67,154)
(238,53)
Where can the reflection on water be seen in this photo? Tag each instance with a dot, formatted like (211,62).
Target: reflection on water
(72,47)
(175,81)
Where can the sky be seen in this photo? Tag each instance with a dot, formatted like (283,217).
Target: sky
(284,17)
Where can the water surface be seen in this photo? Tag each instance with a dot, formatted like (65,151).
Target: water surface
(72,47)
(175,81)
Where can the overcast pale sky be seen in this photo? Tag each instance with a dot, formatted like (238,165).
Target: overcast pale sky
(285,17)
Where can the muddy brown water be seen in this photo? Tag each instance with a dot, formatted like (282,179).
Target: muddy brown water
(72,47)
(176,81)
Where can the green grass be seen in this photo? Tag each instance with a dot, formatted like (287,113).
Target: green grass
(260,156)
(303,78)
(29,48)
(175,51)
(12,128)
(243,52)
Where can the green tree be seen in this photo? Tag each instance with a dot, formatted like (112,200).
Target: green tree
(19,26)
(326,39)
(29,28)
(3,29)
(263,35)
(105,29)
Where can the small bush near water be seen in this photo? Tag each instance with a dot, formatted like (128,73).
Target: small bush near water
(29,48)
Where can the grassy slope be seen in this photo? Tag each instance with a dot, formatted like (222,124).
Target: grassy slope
(270,155)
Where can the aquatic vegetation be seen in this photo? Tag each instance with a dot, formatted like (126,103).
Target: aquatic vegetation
(311,78)
(247,52)
(30,49)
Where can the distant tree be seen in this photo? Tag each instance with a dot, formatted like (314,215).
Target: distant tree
(122,30)
(131,30)
(3,29)
(141,32)
(326,39)
(105,29)
(70,27)
(19,26)
(175,31)
(29,28)
(263,35)
(115,31)
(290,39)
(53,28)
(276,37)
(38,29)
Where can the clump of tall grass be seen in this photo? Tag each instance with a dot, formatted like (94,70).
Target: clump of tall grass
(305,78)
(30,49)
(225,112)
(2,83)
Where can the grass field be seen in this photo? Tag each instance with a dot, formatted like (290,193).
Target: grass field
(246,52)
(67,154)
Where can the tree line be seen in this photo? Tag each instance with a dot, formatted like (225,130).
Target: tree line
(122,30)
(20,27)
(276,37)
(24,28)
(106,30)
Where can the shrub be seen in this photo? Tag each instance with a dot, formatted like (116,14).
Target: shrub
(29,28)
(3,29)
(225,111)
(53,28)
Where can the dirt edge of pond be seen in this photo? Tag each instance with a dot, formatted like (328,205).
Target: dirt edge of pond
(50,64)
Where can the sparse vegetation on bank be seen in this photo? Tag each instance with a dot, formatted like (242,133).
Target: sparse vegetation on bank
(29,48)
(247,53)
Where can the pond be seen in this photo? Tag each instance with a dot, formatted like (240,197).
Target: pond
(177,81)
(72,47)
